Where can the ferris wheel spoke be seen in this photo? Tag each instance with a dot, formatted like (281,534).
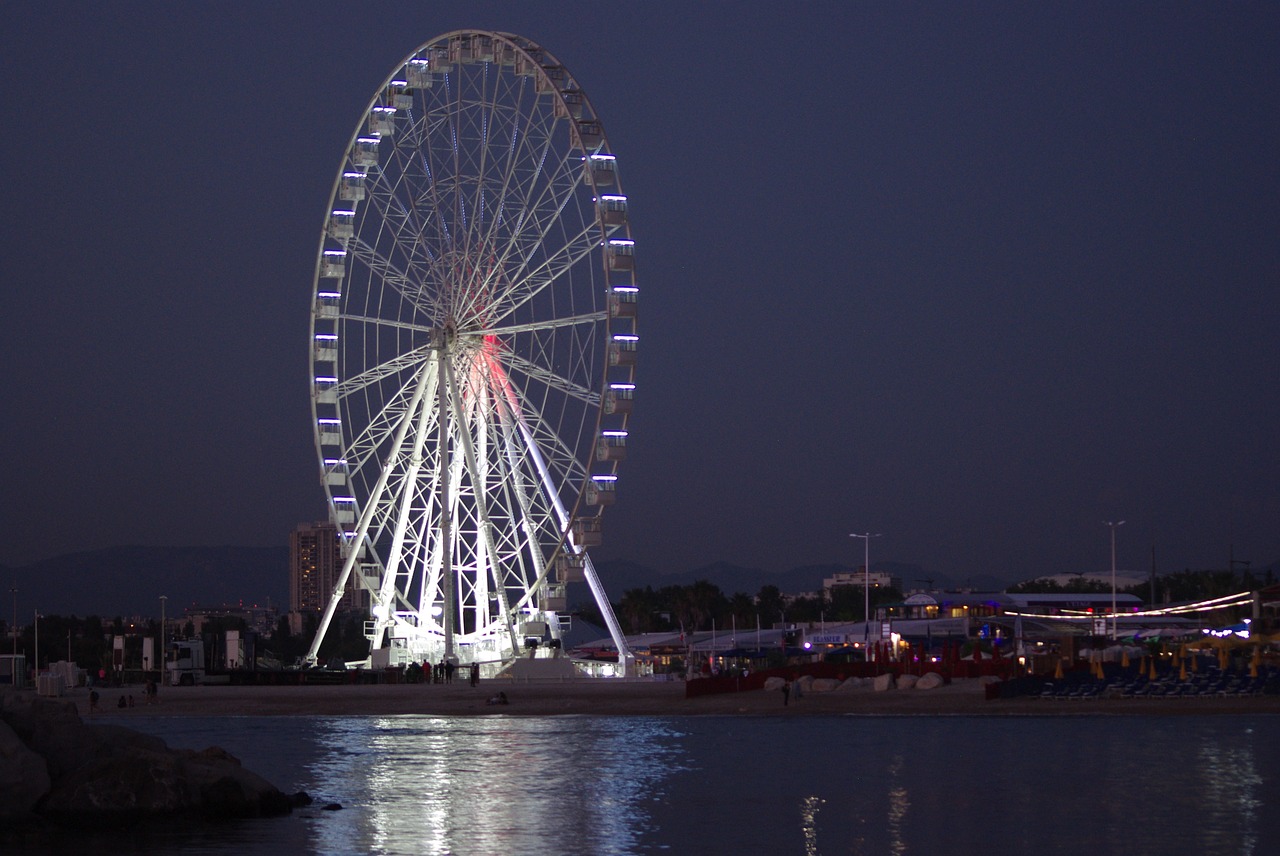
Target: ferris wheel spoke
(547,273)
(391,324)
(547,445)
(547,377)
(549,324)
(502,248)
(408,241)
(377,373)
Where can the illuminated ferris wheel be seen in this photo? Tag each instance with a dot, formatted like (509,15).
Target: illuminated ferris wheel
(473,353)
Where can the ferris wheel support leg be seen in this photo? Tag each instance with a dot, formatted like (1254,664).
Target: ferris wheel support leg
(366,519)
(446,536)
(485,525)
(626,660)
(386,593)
(517,485)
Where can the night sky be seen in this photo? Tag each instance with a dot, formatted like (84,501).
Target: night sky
(976,276)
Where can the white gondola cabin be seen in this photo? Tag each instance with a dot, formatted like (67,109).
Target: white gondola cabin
(399,95)
(326,389)
(333,263)
(601,490)
(366,152)
(554,598)
(418,73)
(624,301)
(351,189)
(553,81)
(612,210)
(342,224)
(591,132)
(622,350)
(382,121)
(326,346)
(618,398)
(572,567)
(621,254)
(611,446)
(330,431)
(602,169)
(327,304)
(335,472)
(587,532)
(571,104)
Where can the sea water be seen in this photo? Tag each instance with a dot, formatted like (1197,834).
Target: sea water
(1127,786)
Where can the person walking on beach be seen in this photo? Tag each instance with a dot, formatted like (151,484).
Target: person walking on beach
(786,693)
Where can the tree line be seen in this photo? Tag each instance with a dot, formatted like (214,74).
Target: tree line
(702,605)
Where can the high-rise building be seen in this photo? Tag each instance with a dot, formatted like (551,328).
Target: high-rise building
(315,561)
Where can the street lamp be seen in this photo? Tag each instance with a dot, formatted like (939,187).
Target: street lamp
(13,631)
(866,587)
(161,658)
(1114,627)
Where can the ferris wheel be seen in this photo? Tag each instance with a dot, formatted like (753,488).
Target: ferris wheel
(473,353)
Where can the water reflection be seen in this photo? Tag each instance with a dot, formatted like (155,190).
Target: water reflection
(1232,788)
(511,785)
(809,823)
(898,805)
(1126,786)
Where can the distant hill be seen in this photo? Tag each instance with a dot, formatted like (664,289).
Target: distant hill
(619,576)
(128,581)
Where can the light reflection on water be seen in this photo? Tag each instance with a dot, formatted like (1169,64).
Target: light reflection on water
(861,785)
(492,785)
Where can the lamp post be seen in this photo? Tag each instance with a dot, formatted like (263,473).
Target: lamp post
(866,587)
(37,644)
(13,631)
(1114,627)
(163,599)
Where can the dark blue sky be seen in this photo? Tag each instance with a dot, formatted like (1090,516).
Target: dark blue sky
(977,276)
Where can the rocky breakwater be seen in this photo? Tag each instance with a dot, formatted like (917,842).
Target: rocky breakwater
(55,768)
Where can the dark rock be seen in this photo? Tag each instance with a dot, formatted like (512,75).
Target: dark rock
(55,767)
(331,807)
(24,776)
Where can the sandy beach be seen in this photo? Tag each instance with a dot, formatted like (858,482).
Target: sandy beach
(629,698)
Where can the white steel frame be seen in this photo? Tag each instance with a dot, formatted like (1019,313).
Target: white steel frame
(464,343)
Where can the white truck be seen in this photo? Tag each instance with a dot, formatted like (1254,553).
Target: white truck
(185,666)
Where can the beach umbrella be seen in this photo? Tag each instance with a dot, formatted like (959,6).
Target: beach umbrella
(1057,672)
(1224,658)
(1195,663)
(1124,659)
(1182,671)
(1151,675)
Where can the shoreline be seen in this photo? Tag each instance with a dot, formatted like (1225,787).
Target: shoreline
(605,697)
